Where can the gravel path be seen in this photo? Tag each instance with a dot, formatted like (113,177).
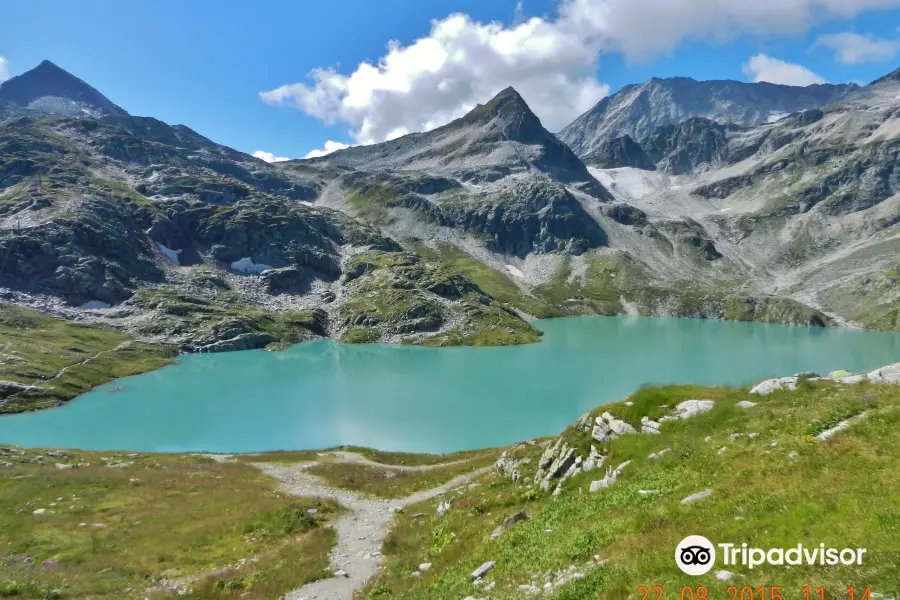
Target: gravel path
(353,457)
(360,532)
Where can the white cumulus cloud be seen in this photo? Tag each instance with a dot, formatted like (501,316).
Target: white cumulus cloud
(855,49)
(330,146)
(551,61)
(4,69)
(765,68)
(269,157)
(437,78)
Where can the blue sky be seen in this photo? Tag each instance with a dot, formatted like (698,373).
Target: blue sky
(204,64)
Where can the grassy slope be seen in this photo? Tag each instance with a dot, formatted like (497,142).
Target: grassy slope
(611,278)
(841,492)
(173,516)
(35,348)
(162,517)
(871,301)
(498,285)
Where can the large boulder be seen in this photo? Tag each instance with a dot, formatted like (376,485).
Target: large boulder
(772,385)
(691,408)
(888,374)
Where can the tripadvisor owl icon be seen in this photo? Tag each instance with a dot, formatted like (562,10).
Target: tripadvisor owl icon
(695,555)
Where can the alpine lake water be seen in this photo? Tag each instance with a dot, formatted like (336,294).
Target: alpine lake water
(322,394)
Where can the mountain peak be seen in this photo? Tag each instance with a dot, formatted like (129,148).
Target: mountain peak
(892,76)
(507,102)
(51,89)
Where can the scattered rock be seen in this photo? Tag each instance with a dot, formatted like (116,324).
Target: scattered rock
(341,573)
(443,508)
(609,428)
(609,479)
(696,497)
(648,426)
(722,450)
(424,567)
(483,569)
(39,511)
(724,575)
(839,374)
(746,404)
(656,455)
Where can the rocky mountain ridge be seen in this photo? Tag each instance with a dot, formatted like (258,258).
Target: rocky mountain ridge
(638,110)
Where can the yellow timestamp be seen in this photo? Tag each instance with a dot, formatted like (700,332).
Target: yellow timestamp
(773,592)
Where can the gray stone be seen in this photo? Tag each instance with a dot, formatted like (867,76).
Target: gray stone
(483,569)
(509,522)
(772,385)
(657,455)
(887,374)
(609,428)
(746,404)
(691,408)
(696,497)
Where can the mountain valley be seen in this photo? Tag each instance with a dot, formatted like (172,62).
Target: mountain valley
(674,198)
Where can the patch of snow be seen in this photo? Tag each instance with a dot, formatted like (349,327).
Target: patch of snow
(774,117)
(246,265)
(628,182)
(94,305)
(514,271)
(171,254)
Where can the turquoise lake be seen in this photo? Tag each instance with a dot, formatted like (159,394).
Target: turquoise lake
(322,394)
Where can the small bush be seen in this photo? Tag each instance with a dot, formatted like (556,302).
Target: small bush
(529,495)
(287,521)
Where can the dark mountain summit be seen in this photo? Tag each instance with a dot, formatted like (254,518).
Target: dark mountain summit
(48,88)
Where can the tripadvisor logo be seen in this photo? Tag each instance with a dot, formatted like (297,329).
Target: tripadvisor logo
(696,555)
